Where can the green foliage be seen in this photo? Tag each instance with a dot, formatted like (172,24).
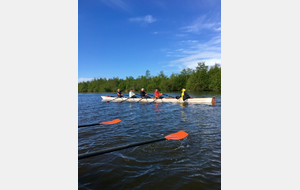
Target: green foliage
(199,80)
(215,78)
(202,78)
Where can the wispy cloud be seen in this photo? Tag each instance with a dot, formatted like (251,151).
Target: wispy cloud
(201,23)
(144,20)
(161,32)
(116,4)
(180,35)
(208,52)
(193,51)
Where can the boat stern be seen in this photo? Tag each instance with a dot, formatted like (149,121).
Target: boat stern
(213,100)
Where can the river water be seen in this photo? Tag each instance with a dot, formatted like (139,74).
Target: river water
(191,163)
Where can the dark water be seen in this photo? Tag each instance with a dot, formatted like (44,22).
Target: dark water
(191,163)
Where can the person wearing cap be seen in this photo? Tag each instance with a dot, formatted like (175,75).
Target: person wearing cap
(184,95)
(143,94)
(119,93)
(157,94)
(131,94)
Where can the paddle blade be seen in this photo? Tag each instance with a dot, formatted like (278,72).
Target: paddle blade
(177,136)
(111,122)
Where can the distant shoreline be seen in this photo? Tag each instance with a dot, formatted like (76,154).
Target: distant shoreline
(153,92)
(203,78)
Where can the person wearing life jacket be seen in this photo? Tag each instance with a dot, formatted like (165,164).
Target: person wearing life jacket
(184,95)
(157,94)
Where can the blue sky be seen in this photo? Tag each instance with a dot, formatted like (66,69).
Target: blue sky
(125,38)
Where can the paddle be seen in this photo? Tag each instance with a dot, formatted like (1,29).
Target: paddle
(175,136)
(112,99)
(156,98)
(144,98)
(169,96)
(127,99)
(102,123)
(141,99)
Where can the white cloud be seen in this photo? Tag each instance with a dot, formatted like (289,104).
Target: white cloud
(218,29)
(84,79)
(191,41)
(194,63)
(145,19)
(208,52)
(189,52)
(116,3)
(202,23)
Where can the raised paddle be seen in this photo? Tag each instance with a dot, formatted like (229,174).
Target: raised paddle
(102,123)
(175,136)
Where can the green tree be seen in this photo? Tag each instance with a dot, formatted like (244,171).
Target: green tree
(199,79)
(215,77)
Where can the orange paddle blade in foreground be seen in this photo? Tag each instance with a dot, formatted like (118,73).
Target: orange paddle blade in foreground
(111,122)
(177,136)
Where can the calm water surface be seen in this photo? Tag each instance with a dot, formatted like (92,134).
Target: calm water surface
(191,163)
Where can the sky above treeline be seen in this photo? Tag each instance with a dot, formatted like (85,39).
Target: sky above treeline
(118,38)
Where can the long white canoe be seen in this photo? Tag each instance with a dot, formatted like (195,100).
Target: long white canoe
(190,100)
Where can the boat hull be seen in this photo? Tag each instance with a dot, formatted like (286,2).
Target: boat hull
(191,100)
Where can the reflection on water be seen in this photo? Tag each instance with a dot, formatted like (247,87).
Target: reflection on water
(157,107)
(183,105)
(191,163)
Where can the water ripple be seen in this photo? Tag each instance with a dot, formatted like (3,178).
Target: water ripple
(191,163)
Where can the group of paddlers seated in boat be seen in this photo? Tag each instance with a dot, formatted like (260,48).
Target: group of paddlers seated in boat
(143,94)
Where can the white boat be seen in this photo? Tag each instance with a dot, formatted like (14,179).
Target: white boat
(210,100)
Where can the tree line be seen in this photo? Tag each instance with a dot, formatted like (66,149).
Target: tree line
(203,78)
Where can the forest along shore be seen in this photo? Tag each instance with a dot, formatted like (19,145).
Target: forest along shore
(203,78)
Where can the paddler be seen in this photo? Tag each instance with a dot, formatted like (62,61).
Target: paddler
(143,94)
(119,93)
(184,95)
(131,94)
(157,94)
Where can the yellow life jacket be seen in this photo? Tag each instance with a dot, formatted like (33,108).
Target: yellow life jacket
(182,94)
